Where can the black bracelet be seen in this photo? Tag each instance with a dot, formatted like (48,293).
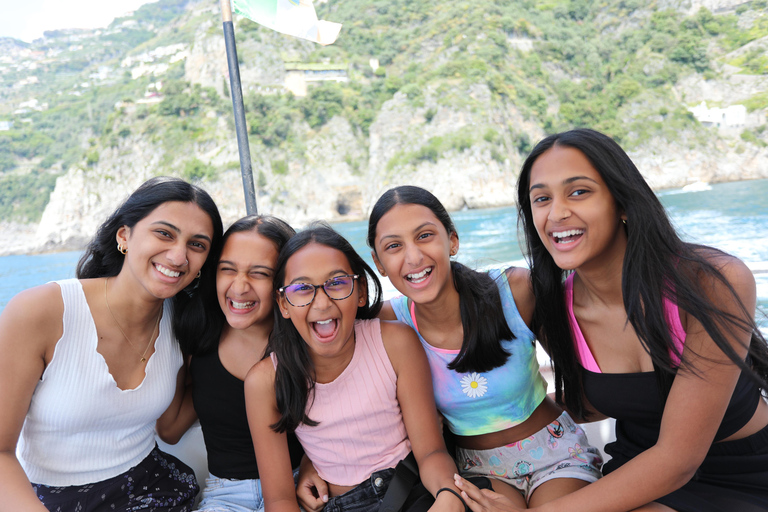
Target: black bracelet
(454,493)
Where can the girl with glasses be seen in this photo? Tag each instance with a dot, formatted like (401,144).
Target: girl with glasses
(225,326)
(355,390)
(475,330)
(643,327)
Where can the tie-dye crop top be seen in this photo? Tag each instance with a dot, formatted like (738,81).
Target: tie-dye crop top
(479,403)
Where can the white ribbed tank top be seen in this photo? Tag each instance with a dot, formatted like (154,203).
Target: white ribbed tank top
(81,428)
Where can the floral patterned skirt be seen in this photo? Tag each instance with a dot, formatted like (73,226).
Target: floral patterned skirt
(160,482)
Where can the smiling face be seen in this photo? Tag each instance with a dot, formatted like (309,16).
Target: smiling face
(244,279)
(413,249)
(167,248)
(326,325)
(574,213)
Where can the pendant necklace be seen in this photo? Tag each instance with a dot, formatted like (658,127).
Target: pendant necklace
(151,336)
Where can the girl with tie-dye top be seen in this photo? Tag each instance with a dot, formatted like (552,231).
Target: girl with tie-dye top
(474,327)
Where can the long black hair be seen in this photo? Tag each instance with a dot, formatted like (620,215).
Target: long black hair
(658,265)
(102,259)
(295,372)
(482,315)
(199,319)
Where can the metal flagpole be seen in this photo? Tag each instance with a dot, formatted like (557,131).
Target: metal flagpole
(246,169)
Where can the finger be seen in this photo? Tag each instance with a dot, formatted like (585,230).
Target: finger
(321,487)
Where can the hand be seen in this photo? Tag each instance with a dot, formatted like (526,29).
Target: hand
(311,490)
(484,500)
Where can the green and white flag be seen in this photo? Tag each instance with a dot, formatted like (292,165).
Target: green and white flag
(293,17)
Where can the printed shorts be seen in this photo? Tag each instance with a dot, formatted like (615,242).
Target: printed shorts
(559,450)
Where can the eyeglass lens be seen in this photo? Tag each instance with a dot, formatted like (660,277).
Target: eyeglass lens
(337,288)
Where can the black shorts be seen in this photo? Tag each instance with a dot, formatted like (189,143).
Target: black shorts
(160,482)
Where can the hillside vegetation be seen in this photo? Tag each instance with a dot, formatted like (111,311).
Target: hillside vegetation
(612,65)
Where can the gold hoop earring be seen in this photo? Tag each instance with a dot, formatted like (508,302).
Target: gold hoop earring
(199,273)
(122,249)
(624,221)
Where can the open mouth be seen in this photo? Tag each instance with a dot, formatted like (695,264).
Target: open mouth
(566,237)
(166,271)
(325,330)
(419,276)
(241,306)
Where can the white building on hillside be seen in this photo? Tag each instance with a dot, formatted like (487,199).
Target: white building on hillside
(733,116)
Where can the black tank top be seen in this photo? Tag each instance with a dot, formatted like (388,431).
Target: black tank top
(219,399)
(634,400)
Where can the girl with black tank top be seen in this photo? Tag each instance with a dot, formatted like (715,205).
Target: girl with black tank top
(225,329)
(645,328)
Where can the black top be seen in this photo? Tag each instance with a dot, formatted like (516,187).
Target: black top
(219,399)
(634,400)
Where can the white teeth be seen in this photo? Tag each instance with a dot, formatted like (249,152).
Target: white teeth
(242,305)
(323,322)
(166,271)
(570,232)
(417,278)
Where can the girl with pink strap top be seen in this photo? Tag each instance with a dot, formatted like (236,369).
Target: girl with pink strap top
(650,330)
(355,390)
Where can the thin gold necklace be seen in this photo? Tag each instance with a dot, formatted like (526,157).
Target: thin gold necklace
(151,336)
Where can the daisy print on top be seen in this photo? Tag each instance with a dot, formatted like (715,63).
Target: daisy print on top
(478,403)
(474,385)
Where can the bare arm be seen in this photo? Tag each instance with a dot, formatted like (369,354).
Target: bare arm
(417,402)
(272,455)
(180,415)
(693,400)
(30,326)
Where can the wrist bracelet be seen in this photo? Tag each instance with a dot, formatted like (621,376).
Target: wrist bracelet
(454,493)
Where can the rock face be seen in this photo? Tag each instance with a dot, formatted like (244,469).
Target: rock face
(343,173)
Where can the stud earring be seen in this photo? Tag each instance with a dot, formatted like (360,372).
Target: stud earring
(122,249)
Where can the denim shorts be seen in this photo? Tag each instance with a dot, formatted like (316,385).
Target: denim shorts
(559,450)
(366,497)
(229,495)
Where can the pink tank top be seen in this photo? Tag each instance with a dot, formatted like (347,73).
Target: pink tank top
(584,354)
(361,427)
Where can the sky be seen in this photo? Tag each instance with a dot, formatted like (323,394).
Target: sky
(27,19)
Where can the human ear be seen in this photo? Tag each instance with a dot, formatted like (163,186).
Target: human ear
(454,243)
(378,264)
(362,291)
(122,235)
(282,303)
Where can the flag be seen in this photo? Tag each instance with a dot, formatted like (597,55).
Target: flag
(291,17)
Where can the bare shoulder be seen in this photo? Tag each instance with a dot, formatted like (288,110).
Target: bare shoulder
(736,272)
(35,314)
(387,311)
(261,376)
(402,344)
(519,280)
(397,334)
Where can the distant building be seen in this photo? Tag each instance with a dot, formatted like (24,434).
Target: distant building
(5,126)
(299,74)
(733,116)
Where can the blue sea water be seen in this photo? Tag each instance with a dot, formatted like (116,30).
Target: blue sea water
(730,216)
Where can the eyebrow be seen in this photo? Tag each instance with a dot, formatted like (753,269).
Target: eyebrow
(565,182)
(178,231)
(418,228)
(305,279)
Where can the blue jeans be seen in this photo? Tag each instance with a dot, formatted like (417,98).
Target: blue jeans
(225,495)
(366,497)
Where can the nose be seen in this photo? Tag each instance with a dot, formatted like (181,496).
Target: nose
(558,210)
(240,284)
(321,301)
(177,255)
(413,255)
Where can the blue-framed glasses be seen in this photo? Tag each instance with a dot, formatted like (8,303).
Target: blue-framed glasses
(302,294)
